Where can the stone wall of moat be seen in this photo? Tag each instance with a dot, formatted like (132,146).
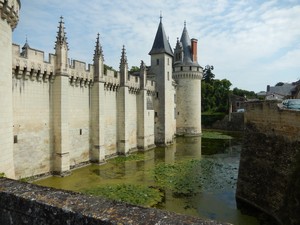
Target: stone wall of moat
(24,203)
(270,162)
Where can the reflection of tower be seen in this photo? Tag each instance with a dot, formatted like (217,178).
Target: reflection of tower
(187,74)
(188,147)
(9,11)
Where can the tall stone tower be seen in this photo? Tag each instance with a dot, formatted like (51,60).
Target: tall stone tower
(60,103)
(187,74)
(164,104)
(9,11)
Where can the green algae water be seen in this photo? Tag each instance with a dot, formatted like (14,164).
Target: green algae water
(195,176)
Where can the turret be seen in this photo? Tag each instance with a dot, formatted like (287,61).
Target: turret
(187,74)
(61,48)
(98,60)
(25,48)
(9,11)
(123,67)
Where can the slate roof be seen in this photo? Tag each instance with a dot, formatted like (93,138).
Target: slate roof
(161,43)
(187,51)
(285,90)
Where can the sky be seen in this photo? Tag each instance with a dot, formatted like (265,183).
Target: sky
(251,43)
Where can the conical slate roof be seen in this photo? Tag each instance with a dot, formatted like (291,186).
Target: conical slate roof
(186,45)
(161,43)
(187,49)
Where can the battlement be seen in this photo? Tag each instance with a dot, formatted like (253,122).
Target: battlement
(78,73)
(111,80)
(187,75)
(133,83)
(32,65)
(150,86)
(9,10)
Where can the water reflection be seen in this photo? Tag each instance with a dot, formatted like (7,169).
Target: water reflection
(215,168)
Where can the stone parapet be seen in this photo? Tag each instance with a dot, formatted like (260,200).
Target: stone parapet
(22,202)
(187,75)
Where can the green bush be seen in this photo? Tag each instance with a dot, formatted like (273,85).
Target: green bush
(209,119)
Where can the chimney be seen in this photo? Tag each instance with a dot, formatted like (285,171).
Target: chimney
(194,49)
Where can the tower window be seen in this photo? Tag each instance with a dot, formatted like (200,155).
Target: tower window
(155,114)
(168,75)
(181,68)
(80,132)
(15,139)
(157,61)
(168,61)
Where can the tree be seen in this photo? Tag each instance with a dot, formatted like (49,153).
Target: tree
(134,69)
(208,75)
(279,84)
(244,93)
(214,93)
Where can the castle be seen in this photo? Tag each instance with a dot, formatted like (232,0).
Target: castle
(57,114)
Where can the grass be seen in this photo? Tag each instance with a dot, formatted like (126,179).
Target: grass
(132,157)
(178,177)
(215,135)
(130,193)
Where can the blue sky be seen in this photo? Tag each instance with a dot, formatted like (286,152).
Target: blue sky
(249,42)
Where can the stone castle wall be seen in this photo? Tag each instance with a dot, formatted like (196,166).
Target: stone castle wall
(269,170)
(41,108)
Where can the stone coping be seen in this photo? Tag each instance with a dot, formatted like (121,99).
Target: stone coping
(23,202)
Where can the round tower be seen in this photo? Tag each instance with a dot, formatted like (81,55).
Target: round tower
(9,11)
(188,74)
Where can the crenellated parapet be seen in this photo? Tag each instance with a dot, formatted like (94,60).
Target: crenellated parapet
(79,75)
(33,66)
(9,11)
(111,80)
(187,72)
(133,84)
(187,75)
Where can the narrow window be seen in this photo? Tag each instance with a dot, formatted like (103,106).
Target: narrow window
(168,75)
(80,131)
(156,94)
(181,68)
(168,61)
(155,114)
(157,61)
(15,139)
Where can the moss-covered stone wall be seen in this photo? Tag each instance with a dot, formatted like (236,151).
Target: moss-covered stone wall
(269,168)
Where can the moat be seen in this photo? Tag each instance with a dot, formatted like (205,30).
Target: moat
(200,176)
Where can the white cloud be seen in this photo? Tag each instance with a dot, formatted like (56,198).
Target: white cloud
(248,42)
